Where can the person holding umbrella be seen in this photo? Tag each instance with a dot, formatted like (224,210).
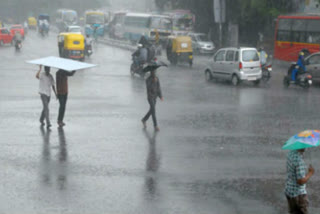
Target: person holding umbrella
(62,93)
(153,92)
(46,82)
(297,173)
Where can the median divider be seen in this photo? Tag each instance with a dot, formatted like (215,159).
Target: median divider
(118,43)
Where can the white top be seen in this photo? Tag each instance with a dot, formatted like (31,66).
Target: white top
(45,84)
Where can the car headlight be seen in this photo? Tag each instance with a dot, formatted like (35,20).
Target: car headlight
(270,69)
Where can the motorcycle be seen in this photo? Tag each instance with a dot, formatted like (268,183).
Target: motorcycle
(136,67)
(88,50)
(303,79)
(18,45)
(266,72)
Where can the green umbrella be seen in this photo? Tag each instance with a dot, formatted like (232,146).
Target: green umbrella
(303,140)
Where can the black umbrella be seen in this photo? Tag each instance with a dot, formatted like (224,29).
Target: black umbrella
(154,66)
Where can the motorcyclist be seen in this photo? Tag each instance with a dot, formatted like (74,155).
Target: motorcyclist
(17,38)
(263,56)
(141,55)
(301,65)
(88,42)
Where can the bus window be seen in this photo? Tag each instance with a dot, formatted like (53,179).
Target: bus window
(299,27)
(284,24)
(284,30)
(284,36)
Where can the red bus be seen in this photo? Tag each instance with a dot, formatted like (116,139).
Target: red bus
(294,33)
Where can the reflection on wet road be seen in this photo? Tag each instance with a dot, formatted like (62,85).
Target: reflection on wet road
(219,149)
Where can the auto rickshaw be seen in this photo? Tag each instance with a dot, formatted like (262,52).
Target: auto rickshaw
(32,23)
(179,49)
(71,46)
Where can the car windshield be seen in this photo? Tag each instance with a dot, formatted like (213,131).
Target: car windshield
(202,38)
(250,56)
(95,19)
(75,29)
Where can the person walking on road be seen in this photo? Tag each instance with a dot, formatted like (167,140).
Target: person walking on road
(46,82)
(153,92)
(62,93)
(297,177)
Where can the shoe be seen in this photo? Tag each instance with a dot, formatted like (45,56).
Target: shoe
(144,124)
(48,126)
(61,124)
(156,129)
(42,123)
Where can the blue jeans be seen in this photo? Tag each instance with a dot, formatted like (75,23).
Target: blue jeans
(294,74)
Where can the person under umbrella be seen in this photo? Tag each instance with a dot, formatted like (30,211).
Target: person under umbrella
(297,172)
(153,92)
(62,93)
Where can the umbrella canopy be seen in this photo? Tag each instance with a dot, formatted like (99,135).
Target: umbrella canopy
(303,140)
(154,66)
(61,63)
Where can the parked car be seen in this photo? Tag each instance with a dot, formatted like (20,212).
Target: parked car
(74,29)
(5,36)
(17,28)
(235,64)
(312,63)
(201,43)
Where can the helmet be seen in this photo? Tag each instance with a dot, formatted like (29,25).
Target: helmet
(140,45)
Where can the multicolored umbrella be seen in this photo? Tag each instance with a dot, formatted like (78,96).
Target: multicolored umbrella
(303,140)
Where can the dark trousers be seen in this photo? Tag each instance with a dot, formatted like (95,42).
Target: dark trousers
(298,205)
(63,102)
(152,111)
(45,110)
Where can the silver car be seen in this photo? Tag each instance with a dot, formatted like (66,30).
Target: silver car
(312,63)
(201,43)
(235,64)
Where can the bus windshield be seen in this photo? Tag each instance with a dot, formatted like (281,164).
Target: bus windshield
(136,21)
(161,23)
(70,16)
(95,19)
(183,24)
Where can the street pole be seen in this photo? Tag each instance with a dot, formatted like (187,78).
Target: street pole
(220,25)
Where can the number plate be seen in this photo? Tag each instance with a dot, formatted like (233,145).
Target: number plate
(310,82)
(252,78)
(184,45)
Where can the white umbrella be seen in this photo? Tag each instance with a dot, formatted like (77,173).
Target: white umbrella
(61,63)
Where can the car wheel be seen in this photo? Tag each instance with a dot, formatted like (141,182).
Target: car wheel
(235,80)
(286,82)
(257,82)
(208,76)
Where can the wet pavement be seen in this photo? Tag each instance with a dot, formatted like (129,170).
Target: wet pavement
(218,151)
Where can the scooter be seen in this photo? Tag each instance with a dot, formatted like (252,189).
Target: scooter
(266,72)
(303,79)
(18,45)
(88,50)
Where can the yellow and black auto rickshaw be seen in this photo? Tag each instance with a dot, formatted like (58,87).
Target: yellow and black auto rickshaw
(32,23)
(71,46)
(179,49)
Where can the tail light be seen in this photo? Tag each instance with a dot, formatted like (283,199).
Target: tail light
(309,77)
(260,65)
(240,66)
(155,59)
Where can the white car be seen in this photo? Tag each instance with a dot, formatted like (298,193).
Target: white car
(74,29)
(235,64)
(201,43)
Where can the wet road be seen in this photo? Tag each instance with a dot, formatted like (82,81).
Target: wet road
(218,151)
